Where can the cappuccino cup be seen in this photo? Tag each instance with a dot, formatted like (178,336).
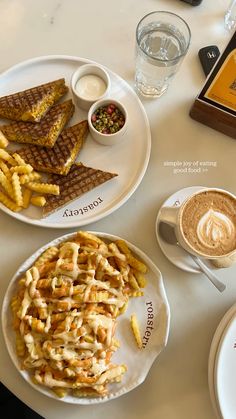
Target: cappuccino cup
(205,225)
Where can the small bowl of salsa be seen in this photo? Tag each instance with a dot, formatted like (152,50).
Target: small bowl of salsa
(89,83)
(107,120)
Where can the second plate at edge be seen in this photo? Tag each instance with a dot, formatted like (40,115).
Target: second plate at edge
(225,370)
(213,355)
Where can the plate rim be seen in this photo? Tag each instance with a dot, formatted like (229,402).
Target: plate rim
(219,355)
(165,309)
(40,223)
(223,323)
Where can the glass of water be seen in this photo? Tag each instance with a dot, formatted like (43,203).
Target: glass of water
(162,41)
(230,16)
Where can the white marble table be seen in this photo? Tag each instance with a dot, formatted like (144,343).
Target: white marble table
(177,386)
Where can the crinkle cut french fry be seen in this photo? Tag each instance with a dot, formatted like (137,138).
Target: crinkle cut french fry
(136,264)
(136,293)
(133,282)
(38,201)
(20,345)
(22,169)
(45,188)
(9,203)
(89,237)
(27,193)
(21,282)
(136,330)
(20,161)
(3,141)
(14,303)
(14,172)
(123,246)
(47,256)
(4,155)
(141,280)
(34,176)
(60,392)
(17,189)
(6,184)
(123,309)
(88,392)
(5,169)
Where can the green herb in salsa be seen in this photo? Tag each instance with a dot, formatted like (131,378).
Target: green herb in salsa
(108,119)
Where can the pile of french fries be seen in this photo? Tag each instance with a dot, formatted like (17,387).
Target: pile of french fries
(65,311)
(20,184)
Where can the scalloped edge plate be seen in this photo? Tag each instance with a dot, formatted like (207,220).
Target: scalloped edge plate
(153,314)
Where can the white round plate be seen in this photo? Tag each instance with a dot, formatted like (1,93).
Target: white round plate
(153,304)
(225,371)
(129,159)
(212,357)
(176,255)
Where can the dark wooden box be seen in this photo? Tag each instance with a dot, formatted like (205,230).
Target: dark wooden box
(215,105)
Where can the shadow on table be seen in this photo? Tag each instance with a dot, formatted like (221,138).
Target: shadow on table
(12,407)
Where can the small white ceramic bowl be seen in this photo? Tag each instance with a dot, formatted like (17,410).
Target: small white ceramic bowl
(102,138)
(82,98)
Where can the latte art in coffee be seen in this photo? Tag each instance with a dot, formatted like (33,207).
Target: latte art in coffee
(215,229)
(208,223)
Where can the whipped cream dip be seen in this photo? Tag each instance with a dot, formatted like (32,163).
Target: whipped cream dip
(90,87)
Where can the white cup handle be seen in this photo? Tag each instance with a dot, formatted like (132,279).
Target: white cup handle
(169,215)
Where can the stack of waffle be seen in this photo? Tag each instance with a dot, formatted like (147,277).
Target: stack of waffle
(39,121)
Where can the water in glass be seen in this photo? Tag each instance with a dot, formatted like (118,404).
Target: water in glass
(230,16)
(159,51)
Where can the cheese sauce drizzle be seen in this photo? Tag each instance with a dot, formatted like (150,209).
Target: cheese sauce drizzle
(73,331)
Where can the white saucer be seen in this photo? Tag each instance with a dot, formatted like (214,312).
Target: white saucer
(212,365)
(176,254)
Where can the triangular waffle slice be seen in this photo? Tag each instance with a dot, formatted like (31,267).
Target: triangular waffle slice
(32,104)
(45,132)
(59,158)
(80,180)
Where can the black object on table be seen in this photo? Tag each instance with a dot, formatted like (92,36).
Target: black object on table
(208,57)
(193,2)
(11,407)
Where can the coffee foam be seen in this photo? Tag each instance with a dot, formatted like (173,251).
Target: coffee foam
(214,227)
(209,223)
